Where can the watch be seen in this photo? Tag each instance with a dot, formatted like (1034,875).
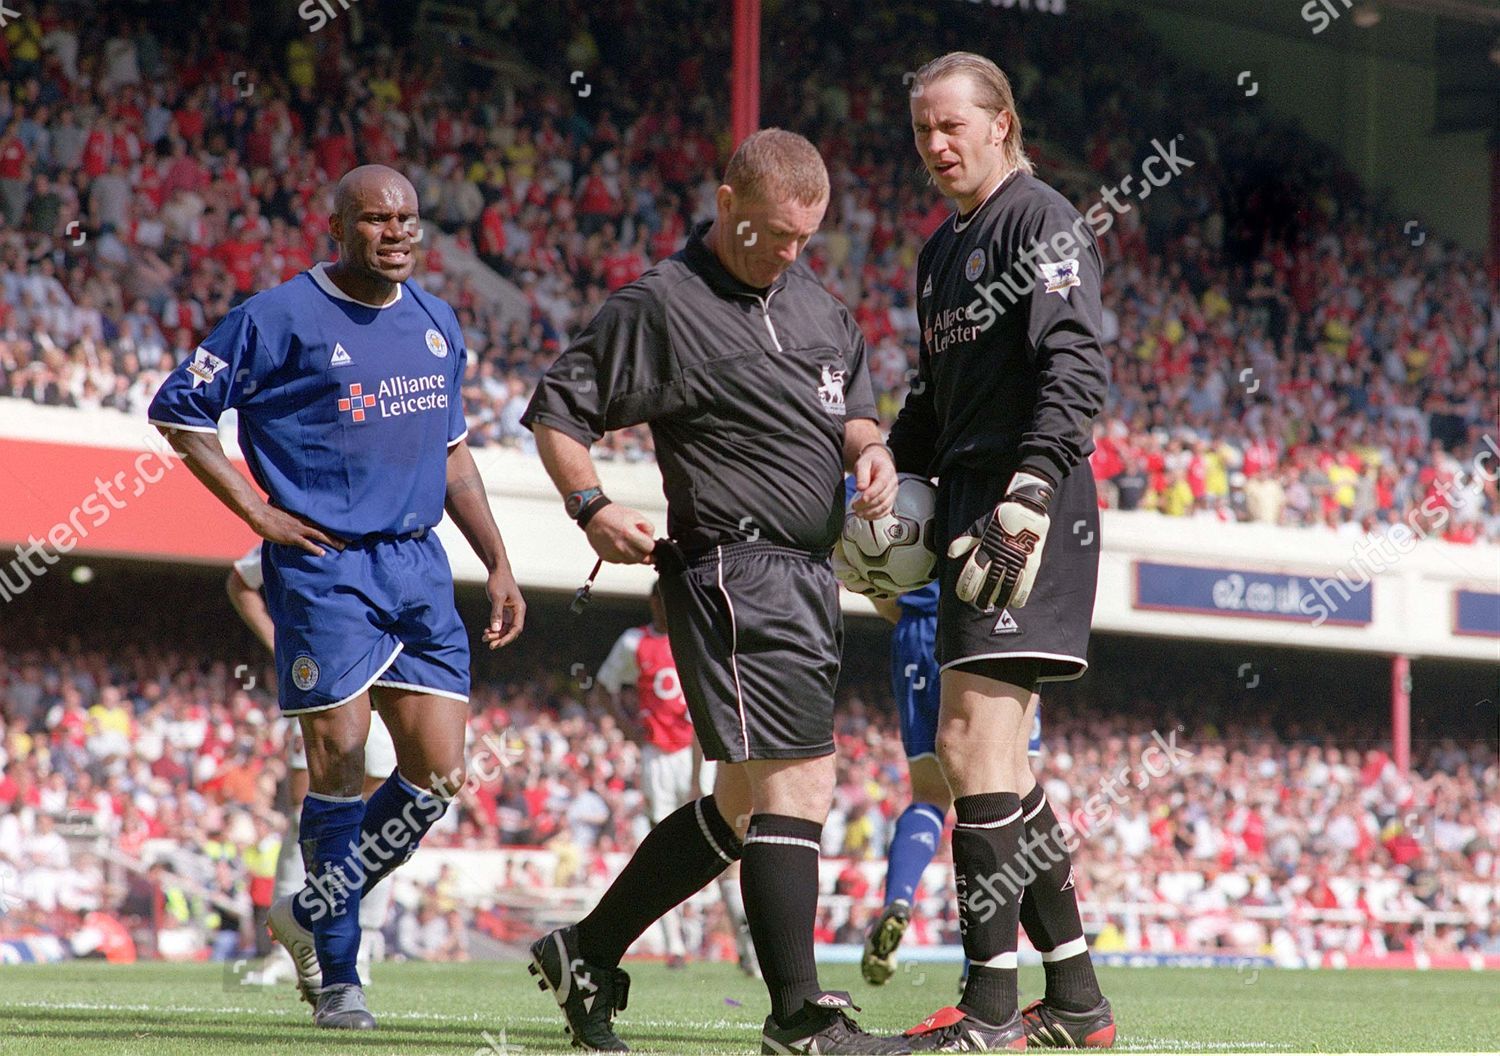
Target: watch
(582,505)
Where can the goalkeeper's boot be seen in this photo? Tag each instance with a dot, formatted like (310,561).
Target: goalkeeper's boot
(879,962)
(822,1026)
(342,1007)
(1058,1029)
(298,941)
(952,1030)
(588,994)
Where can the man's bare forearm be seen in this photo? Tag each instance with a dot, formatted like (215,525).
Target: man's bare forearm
(859,433)
(469,506)
(567,461)
(205,456)
(252,609)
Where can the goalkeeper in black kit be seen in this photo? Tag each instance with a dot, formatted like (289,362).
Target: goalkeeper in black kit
(1010,378)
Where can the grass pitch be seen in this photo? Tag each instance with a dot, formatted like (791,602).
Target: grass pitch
(490,1009)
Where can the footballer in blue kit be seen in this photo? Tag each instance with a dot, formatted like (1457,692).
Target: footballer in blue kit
(347,383)
(914,671)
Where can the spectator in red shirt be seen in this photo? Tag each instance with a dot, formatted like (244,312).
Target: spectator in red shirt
(598,200)
(14,175)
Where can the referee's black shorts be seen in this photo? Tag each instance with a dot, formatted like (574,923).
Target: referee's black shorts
(1052,630)
(757,636)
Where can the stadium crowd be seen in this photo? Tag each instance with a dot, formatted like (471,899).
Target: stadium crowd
(1281,352)
(144,786)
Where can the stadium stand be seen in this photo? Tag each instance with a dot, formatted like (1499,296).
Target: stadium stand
(1279,352)
(1301,843)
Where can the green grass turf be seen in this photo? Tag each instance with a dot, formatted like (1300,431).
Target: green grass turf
(202,1010)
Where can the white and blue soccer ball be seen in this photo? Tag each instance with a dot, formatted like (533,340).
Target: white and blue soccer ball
(898,552)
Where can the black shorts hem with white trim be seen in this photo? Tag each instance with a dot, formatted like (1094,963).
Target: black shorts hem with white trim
(1054,626)
(757,637)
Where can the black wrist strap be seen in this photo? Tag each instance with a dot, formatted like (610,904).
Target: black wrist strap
(1037,496)
(590,508)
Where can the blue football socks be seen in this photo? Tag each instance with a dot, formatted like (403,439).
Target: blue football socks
(918,831)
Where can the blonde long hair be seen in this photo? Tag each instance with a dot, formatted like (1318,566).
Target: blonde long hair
(992,92)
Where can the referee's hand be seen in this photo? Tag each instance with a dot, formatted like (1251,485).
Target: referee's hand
(621,535)
(875,483)
(278,526)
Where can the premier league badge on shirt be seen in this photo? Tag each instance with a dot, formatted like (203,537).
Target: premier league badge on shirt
(1061,277)
(205,366)
(831,392)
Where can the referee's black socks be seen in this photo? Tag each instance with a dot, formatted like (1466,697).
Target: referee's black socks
(676,860)
(986,839)
(1049,910)
(779,879)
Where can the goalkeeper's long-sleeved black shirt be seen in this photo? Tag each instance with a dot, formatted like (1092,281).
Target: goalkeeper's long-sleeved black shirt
(1010,372)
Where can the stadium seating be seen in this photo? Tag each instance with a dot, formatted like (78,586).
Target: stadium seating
(1252,842)
(1280,353)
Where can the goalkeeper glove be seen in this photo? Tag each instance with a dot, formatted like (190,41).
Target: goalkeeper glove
(846,574)
(1004,547)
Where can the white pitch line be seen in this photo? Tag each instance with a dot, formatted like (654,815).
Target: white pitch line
(298,1013)
(1175,1045)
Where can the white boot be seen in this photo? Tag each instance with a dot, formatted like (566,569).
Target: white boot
(277,968)
(373,909)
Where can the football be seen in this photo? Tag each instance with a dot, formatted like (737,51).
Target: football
(898,552)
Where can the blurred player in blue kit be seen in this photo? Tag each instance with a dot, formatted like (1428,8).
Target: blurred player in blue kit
(919,829)
(346,379)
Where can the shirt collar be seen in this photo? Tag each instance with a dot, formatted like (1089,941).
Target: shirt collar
(960,222)
(702,259)
(328,286)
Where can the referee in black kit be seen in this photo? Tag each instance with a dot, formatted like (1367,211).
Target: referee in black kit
(1010,378)
(752,378)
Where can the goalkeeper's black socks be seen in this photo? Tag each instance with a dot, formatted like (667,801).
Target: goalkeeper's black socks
(986,841)
(1049,910)
(676,860)
(779,879)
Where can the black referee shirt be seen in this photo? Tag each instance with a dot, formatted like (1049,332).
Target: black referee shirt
(1010,373)
(746,392)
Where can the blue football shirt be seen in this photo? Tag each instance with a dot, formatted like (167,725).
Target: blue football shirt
(346,409)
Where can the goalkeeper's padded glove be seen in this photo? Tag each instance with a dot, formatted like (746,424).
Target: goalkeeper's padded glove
(1005,547)
(846,574)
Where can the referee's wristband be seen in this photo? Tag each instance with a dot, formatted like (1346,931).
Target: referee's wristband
(591,507)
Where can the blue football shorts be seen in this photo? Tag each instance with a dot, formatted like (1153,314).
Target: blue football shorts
(380,612)
(915,685)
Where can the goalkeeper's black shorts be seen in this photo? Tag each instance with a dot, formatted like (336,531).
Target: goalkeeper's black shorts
(1052,630)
